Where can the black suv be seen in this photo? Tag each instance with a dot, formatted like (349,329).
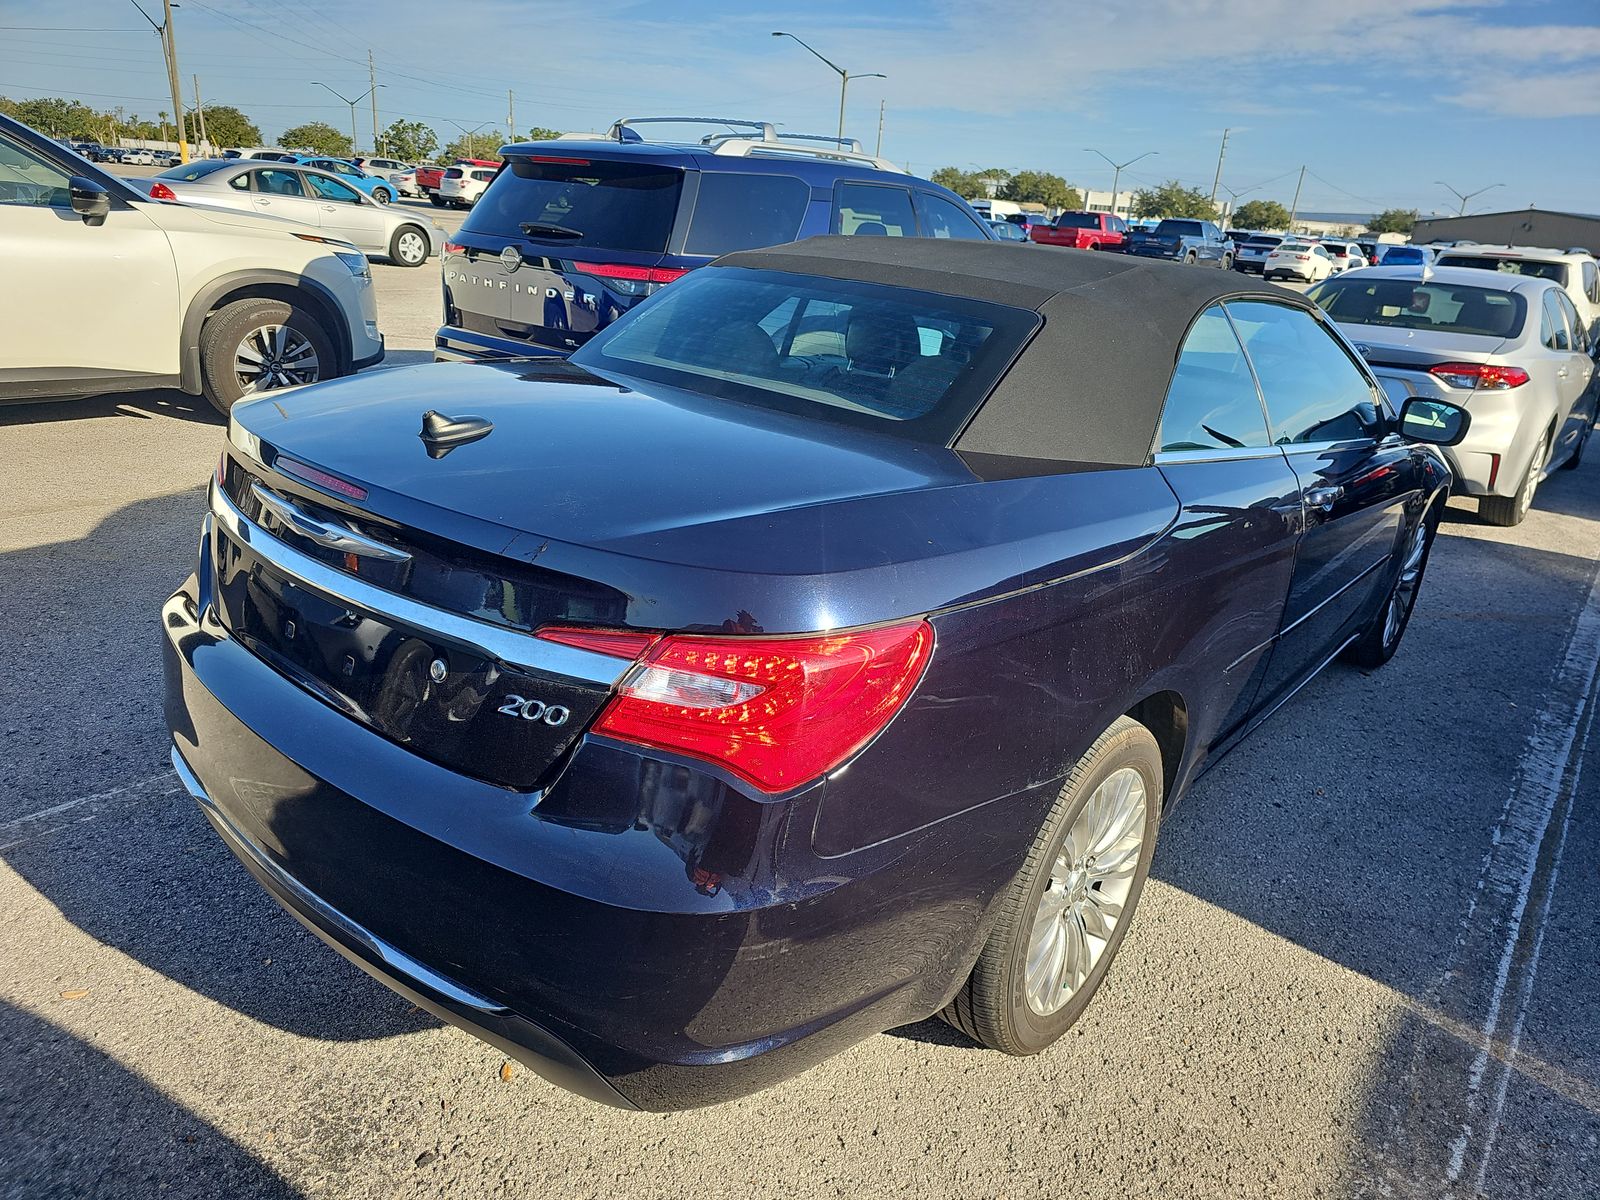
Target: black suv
(572,233)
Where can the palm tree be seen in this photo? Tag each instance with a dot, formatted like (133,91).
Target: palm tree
(163,117)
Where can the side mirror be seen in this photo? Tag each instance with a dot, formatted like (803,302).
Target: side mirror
(1437,422)
(89,200)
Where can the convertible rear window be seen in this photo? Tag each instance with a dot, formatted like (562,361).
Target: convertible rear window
(605,205)
(893,360)
(1409,304)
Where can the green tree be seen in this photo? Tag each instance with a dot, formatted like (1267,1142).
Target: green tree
(410,140)
(542,133)
(1041,187)
(1172,199)
(957,180)
(1260,214)
(484,144)
(225,126)
(1393,220)
(320,138)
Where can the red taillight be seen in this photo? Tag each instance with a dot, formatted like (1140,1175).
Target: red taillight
(454,248)
(340,487)
(639,274)
(619,643)
(1483,377)
(575,162)
(1494,470)
(778,712)
(160,191)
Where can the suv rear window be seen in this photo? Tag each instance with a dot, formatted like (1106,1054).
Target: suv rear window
(607,205)
(893,360)
(1554,271)
(1409,304)
(736,211)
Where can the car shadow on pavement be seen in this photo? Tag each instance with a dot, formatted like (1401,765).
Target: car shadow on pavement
(134,864)
(163,402)
(78,1124)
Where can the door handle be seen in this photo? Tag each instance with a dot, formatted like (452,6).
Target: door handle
(1562,372)
(329,208)
(1324,497)
(263,203)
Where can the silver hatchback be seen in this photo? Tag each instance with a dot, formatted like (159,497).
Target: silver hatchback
(304,195)
(1508,348)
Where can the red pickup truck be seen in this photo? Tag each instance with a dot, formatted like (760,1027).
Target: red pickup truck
(429,178)
(1082,230)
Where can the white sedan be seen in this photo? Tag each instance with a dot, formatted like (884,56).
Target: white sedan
(1296,259)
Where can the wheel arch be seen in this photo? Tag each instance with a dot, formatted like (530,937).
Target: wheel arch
(297,290)
(1166,715)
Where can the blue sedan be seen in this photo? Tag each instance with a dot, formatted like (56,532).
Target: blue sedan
(380,190)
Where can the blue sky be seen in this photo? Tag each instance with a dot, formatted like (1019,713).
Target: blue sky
(1380,98)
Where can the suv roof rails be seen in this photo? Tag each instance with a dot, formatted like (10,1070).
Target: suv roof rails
(744,139)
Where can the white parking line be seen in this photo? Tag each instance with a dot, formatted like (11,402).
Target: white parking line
(1544,788)
(30,823)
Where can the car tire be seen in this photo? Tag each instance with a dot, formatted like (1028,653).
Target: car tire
(1015,1006)
(435,200)
(1510,510)
(382,195)
(1227,262)
(228,330)
(1381,639)
(1188,259)
(409,246)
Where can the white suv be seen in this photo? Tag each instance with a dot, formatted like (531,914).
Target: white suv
(1575,270)
(461,186)
(113,291)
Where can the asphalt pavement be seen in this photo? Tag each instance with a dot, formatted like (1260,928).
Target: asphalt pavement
(1366,966)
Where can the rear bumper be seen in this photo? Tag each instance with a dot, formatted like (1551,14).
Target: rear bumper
(642,932)
(1493,458)
(453,344)
(1151,252)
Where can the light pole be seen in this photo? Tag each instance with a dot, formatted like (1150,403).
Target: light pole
(1116,176)
(352,103)
(469,134)
(1463,209)
(844,77)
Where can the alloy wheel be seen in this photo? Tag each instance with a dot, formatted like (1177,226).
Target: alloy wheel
(1088,892)
(1405,587)
(411,247)
(275,356)
(1530,485)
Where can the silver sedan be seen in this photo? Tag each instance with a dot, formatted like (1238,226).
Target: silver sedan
(304,195)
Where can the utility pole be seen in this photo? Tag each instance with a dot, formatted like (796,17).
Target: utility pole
(169,51)
(511,115)
(1217,179)
(372,79)
(1294,209)
(200,111)
(878,153)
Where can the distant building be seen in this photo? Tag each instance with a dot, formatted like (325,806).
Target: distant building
(1094,201)
(1520,227)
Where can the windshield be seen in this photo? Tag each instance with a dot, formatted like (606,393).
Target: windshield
(189,172)
(1078,221)
(1557,272)
(892,360)
(1409,304)
(607,205)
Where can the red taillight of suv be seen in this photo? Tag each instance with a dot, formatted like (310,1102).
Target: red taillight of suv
(777,712)
(1482,377)
(636,274)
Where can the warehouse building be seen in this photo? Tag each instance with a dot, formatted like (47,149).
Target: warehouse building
(1521,227)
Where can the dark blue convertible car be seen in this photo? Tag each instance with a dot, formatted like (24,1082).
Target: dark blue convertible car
(814,651)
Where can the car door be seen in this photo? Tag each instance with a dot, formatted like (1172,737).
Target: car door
(1356,477)
(1568,367)
(1231,552)
(280,192)
(90,304)
(346,213)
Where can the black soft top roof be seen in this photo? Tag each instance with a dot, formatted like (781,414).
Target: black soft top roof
(1090,385)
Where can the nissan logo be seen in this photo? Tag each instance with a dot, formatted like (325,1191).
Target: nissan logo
(511,258)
